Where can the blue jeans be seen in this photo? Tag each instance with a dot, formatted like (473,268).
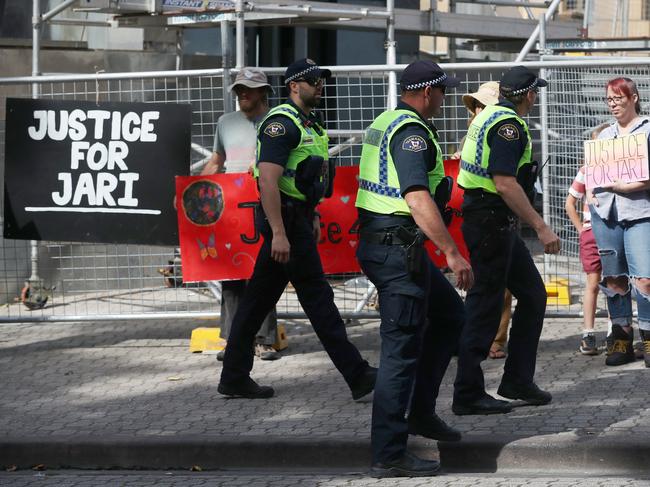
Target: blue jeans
(624,249)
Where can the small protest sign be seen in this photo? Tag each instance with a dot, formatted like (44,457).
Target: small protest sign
(623,158)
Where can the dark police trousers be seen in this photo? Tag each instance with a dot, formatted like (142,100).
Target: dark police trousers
(499,260)
(304,270)
(421,321)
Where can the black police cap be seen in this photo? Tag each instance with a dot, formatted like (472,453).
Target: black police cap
(518,80)
(305,68)
(420,74)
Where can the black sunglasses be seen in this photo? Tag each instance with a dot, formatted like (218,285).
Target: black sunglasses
(311,81)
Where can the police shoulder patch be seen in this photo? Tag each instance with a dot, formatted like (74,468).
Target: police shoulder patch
(414,143)
(508,131)
(274,129)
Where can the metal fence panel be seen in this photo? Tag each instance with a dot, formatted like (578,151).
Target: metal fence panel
(102,281)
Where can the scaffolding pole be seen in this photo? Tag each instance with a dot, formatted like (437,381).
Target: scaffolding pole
(391,56)
(240,30)
(586,19)
(535,35)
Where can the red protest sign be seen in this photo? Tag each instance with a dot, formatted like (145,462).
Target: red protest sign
(216,226)
(218,237)
(339,232)
(451,169)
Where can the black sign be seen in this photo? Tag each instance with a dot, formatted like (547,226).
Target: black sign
(81,171)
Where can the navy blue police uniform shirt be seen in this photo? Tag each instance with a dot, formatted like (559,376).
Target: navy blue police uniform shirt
(278,136)
(414,155)
(507,141)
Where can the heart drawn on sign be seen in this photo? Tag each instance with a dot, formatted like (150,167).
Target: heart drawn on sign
(228,246)
(345,199)
(353,243)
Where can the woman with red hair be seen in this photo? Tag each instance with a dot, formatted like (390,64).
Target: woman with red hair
(621,224)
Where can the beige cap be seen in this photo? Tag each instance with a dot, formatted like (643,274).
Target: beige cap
(487,94)
(251,78)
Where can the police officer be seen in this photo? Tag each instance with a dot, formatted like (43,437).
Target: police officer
(401,170)
(497,173)
(292,143)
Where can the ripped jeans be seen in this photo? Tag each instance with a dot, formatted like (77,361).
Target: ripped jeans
(624,249)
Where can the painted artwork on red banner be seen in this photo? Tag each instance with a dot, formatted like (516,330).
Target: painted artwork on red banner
(216,226)
(217,233)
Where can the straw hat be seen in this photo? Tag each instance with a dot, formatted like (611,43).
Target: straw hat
(487,94)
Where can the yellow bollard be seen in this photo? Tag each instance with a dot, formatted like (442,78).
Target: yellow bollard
(281,341)
(206,340)
(558,292)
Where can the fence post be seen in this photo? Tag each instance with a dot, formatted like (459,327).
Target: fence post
(543,115)
(36,47)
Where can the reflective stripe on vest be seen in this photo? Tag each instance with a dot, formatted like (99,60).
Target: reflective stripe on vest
(382,188)
(474,169)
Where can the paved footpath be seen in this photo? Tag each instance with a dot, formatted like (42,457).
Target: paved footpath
(243,479)
(130,395)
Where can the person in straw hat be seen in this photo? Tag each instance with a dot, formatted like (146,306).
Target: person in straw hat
(487,94)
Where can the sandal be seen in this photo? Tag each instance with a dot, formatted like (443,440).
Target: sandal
(496,352)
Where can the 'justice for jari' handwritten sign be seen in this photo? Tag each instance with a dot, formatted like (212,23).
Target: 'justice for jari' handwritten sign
(622,158)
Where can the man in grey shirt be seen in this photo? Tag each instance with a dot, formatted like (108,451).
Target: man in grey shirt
(235,143)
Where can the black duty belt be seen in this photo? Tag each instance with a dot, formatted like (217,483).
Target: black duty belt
(384,238)
(500,216)
(295,206)
(480,193)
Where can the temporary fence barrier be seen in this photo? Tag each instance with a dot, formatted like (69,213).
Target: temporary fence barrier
(84,281)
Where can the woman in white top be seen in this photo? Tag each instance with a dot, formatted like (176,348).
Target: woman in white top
(621,224)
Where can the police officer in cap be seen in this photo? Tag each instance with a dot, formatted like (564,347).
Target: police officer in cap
(401,171)
(498,175)
(291,158)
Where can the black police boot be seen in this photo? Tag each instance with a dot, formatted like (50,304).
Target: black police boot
(407,466)
(622,349)
(364,383)
(529,393)
(247,388)
(432,426)
(485,405)
(645,337)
